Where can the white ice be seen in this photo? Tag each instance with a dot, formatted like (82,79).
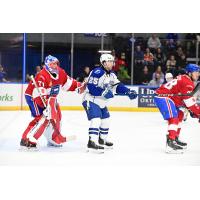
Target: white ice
(139,139)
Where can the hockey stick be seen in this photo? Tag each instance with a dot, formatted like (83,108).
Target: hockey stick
(196,89)
(64,139)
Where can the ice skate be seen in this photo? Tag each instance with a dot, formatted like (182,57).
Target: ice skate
(26,145)
(94,147)
(105,143)
(181,143)
(172,147)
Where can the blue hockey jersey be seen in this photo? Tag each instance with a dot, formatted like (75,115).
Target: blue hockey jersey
(100,80)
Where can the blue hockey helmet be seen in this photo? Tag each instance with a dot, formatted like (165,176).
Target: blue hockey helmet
(49,59)
(192,68)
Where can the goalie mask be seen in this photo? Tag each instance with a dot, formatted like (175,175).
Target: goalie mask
(51,65)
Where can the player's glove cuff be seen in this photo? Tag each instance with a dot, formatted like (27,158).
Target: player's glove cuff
(107,94)
(131,94)
(81,87)
(193,115)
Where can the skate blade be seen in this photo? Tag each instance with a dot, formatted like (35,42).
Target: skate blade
(26,149)
(172,151)
(96,151)
(54,145)
(107,147)
(184,147)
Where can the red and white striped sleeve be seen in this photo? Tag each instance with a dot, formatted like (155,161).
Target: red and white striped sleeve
(70,84)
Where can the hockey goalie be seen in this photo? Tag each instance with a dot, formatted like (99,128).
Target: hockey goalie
(41,97)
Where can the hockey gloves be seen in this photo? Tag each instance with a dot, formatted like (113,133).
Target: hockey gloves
(193,115)
(107,94)
(81,87)
(131,94)
(54,90)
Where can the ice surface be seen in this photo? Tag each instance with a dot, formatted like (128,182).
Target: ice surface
(139,139)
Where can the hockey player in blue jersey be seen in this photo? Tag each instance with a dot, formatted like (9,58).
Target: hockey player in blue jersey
(102,85)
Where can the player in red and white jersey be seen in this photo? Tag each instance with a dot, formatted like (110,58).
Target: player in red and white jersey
(49,81)
(170,106)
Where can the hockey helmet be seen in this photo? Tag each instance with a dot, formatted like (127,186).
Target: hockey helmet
(192,68)
(106,57)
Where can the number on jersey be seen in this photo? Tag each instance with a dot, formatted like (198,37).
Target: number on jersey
(171,84)
(93,80)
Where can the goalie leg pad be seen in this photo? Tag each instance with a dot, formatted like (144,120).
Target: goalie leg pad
(53,108)
(48,134)
(53,131)
(30,126)
(56,136)
(51,112)
(38,130)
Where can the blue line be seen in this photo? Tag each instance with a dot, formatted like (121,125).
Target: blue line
(24,57)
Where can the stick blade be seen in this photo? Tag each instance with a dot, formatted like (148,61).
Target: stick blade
(70,138)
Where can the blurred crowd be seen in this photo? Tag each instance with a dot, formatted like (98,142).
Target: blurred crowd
(154,59)
(3,75)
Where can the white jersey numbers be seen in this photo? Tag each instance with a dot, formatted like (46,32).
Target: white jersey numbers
(93,80)
(170,84)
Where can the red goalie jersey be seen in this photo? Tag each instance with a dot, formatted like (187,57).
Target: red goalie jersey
(45,81)
(181,85)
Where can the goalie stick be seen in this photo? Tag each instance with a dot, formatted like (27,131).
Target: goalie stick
(196,89)
(64,139)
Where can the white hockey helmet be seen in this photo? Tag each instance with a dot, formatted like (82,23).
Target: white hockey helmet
(168,75)
(106,57)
